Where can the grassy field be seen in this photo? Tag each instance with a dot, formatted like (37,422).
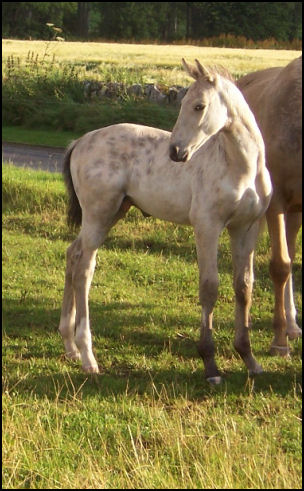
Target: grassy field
(51,138)
(150,420)
(41,92)
(159,64)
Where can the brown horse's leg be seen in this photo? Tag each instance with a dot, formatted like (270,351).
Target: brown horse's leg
(242,245)
(293,223)
(68,312)
(206,245)
(279,271)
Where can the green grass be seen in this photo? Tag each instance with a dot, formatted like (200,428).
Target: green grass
(45,93)
(52,138)
(150,420)
(155,63)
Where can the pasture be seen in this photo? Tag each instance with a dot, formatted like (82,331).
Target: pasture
(151,63)
(150,420)
(45,93)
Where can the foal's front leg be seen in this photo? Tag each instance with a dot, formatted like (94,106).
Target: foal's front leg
(206,245)
(242,244)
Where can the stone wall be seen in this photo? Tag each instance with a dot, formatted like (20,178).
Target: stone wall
(99,90)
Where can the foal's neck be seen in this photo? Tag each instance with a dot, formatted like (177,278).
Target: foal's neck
(242,137)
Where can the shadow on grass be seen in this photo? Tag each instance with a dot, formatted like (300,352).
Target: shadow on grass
(182,249)
(120,342)
(122,380)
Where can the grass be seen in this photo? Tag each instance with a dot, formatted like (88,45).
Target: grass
(150,420)
(52,138)
(156,63)
(43,82)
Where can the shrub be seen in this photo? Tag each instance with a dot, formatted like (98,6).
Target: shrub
(45,94)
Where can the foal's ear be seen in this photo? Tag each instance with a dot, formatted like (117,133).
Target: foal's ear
(192,70)
(204,72)
(198,71)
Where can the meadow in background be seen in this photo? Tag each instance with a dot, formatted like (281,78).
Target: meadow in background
(43,82)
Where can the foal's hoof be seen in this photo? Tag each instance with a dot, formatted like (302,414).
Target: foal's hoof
(73,355)
(256,370)
(283,351)
(91,369)
(294,332)
(214,380)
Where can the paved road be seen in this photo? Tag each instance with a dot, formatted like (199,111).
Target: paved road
(36,157)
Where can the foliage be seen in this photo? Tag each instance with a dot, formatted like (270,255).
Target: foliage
(44,89)
(150,420)
(253,20)
(29,19)
(158,21)
(37,82)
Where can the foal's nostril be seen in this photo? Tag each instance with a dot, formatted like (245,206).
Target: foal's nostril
(177,154)
(184,156)
(173,152)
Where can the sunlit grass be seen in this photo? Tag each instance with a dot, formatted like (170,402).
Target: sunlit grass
(150,420)
(156,63)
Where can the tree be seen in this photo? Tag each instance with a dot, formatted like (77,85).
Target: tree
(83,19)
(28,19)
(161,21)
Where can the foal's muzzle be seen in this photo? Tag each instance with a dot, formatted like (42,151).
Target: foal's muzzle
(177,154)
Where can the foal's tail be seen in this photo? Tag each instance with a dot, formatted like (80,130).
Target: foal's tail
(74,215)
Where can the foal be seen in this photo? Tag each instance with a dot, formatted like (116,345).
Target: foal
(223,182)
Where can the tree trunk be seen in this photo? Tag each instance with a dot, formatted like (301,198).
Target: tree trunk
(188,20)
(83,19)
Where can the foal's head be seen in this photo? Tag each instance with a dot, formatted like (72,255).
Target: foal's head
(203,113)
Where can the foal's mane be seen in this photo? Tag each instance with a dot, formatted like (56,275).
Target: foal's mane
(222,71)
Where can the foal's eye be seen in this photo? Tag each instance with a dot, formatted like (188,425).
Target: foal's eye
(199,107)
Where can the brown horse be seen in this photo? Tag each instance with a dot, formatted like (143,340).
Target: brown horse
(275,97)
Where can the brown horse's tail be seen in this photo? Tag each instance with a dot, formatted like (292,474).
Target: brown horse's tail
(74,212)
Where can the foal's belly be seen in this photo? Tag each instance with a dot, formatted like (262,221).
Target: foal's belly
(170,201)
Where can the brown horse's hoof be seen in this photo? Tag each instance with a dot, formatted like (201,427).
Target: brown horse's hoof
(283,351)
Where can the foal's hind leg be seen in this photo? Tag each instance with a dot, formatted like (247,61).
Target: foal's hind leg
(82,278)
(79,273)
(80,270)
(242,245)
(68,311)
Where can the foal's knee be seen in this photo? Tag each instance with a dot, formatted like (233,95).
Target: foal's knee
(242,343)
(243,290)
(208,292)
